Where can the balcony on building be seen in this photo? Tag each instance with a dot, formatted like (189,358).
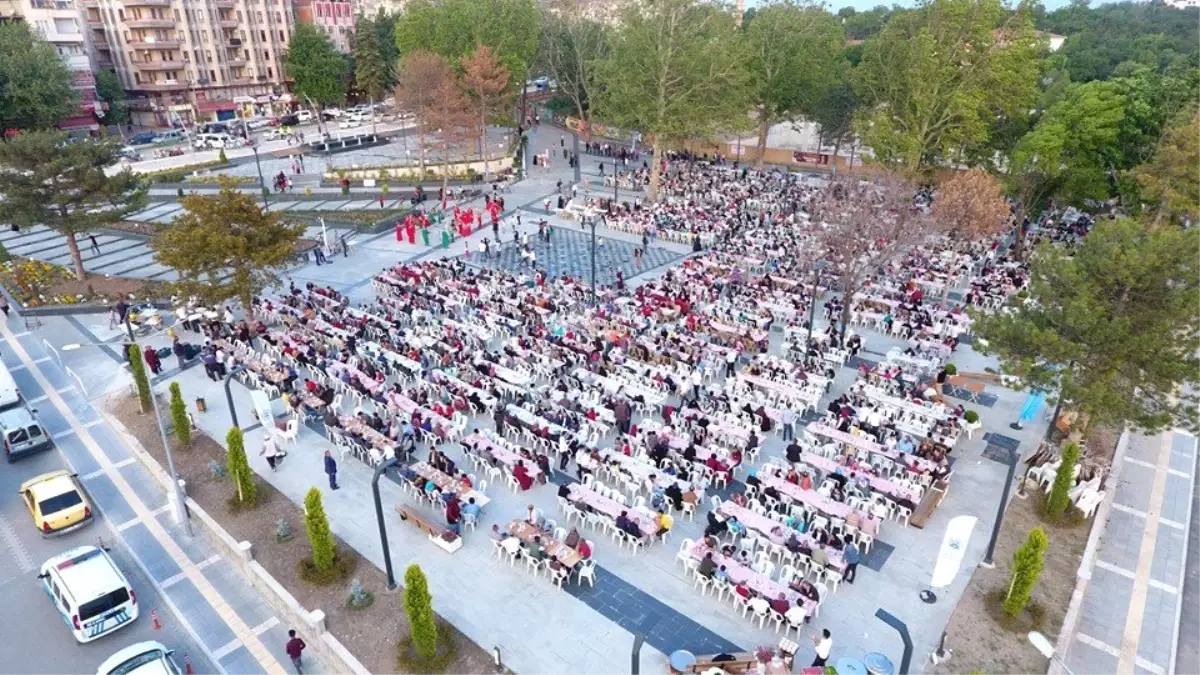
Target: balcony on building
(232,42)
(59,5)
(162,22)
(91,3)
(236,62)
(224,4)
(146,3)
(152,43)
(160,85)
(94,20)
(145,64)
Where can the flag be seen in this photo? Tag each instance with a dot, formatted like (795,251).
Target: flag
(954,547)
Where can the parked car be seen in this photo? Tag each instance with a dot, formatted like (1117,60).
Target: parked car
(24,433)
(212,141)
(144,138)
(354,119)
(89,591)
(142,658)
(331,113)
(57,502)
(258,123)
(304,116)
(171,136)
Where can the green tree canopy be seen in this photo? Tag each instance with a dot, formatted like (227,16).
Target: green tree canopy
(35,85)
(793,53)
(372,73)
(225,246)
(109,90)
(67,187)
(938,79)
(572,45)
(675,72)
(317,69)
(1171,180)
(454,28)
(1115,328)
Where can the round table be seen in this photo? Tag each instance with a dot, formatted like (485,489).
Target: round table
(878,664)
(682,661)
(849,666)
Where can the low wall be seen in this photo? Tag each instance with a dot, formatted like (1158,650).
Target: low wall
(413,173)
(309,624)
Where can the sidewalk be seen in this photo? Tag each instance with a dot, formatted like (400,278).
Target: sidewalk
(1130,617)
(236,630)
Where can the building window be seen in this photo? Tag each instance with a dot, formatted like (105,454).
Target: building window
(270,73)
(213,76)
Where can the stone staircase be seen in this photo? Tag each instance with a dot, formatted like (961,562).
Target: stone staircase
(120,256)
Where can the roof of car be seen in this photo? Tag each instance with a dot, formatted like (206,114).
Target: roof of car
(110,664)
(19,416)
(87,572)
(50,484)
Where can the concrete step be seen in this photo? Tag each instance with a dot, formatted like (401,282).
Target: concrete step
(106,248)
(139,267)
(105,263)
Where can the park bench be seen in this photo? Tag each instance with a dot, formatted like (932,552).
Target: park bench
(436,533)
(742,661)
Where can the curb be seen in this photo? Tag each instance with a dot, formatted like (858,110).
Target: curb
(1066,635)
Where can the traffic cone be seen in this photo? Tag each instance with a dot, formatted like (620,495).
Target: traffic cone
(187,665)
(154,620)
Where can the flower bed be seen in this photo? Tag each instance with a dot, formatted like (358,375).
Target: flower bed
(34,283)
(216,179)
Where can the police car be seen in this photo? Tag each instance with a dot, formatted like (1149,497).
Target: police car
(89,591)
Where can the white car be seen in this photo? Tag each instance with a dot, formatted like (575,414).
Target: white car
(258,123)
(304,116)
(142,658)
(354,119)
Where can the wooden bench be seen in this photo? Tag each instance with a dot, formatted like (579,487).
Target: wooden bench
(435,532)
(742,661)
(933,496)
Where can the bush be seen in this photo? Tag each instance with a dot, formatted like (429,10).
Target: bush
(179,417)
(215,470)
(360,597)
(320,538)
(971,417)
(1027,567)
(138,367)
(419,608)
(179,191)
(338,573)
(1060,497)
(951,369)
(239,469)
(283,530)
(221,157)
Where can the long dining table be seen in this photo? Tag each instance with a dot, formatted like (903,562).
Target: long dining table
(444,481)
(584,495)
(765,526)
(526,531)
(505,456)
(738,573)
(878,483)
(815,500)
(870,446)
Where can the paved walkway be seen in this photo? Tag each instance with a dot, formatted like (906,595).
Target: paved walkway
(1130,620)
(237,630)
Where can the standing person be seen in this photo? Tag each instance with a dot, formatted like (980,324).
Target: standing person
(852,556)
(295,648)
(331,470)
(95,244)
(824,645)
(270,451)
(621,413)
(788,418)
(453,515)
(152,360)
(4,306)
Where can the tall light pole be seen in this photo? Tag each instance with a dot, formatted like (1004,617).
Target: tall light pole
(180,496)
(262,184)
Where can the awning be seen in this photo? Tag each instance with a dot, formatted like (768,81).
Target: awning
(215,106)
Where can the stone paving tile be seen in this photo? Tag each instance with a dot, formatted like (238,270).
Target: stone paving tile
(1134,488)
(241,662)
(146,488)
(77,455)
(105,495)
(878,557)
(1087,659)
(209,626)
(154,557)
(1175,499)
(230,584)
(1122,540)
(1168,555)
(1103,614)
(1158,627)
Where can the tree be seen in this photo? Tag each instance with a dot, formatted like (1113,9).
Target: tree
(1064,480)
(225,246)
(485,81)
(385,39)
(109,90)
(573,43)
(862,225)
(372,74)
(138,367)
(1026,568)
(834,113)
(1170,181)
(455,28)
(970,204)
(179,417)
(793,52)
(422,74)
(937,79)
(419,607)
(35,84)
(449,108)
(64,186)
(675,73)
(319,536)
(239,468)
(317,70)
(1114,326)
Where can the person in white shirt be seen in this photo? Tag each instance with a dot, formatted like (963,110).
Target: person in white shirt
(824,645)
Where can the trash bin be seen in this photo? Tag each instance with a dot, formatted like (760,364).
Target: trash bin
(201,405)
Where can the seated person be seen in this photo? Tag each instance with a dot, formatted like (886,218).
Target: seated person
(780,604)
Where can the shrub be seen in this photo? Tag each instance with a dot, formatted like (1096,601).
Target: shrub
(1026,568)
(283,530)
(419,608)
(971,417)
(266,191)
(1060,497)
(239,468)
(951,369)
(360,597)
(319,536)
(221,157)
(179,417)
(138,367)
(215,470)
(179,191)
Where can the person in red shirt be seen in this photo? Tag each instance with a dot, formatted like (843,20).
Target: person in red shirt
(295,649)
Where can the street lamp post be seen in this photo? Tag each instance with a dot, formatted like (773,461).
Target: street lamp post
(812,307)
(229,394)
(261,183)
(383,540)
(180,496)
(1013,458)
(592,218)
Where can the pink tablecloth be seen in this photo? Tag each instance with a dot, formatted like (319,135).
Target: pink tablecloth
(814,499)
(763,524)
(878,483)
(508,457)
(870,446)
(407,406)
(739,573)
(611,508)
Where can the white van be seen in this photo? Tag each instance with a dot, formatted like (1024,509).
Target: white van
(212,141)
(89,592)
(10,396)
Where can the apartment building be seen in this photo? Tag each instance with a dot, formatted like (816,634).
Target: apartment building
(187,61)
(335,18)
(60,23)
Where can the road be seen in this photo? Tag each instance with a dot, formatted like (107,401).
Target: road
(35,638)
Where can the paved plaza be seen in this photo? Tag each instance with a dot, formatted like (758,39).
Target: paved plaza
(589,629)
